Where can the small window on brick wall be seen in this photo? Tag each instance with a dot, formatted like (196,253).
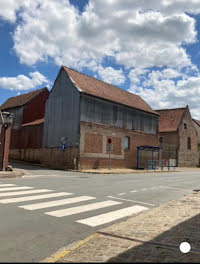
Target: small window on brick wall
(189,142)
(185,126)
(161,140)
(126,143)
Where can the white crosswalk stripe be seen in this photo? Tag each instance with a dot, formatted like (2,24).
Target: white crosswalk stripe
(111,216)
(36,197)
(6,185)
(11,193)
(16,188)
(82,209)
(24,192)
(56,203)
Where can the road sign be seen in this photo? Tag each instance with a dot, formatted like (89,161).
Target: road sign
(63,147)
(109,140)
(63,140)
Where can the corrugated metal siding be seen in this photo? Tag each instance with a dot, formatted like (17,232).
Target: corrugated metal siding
(102,112)
(18,112)
(62,113)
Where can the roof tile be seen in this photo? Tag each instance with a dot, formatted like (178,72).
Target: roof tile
(20,100)
(95,87)
(170,119)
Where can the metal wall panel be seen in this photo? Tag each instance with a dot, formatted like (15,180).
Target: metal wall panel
(18,116)
(62,116)
(99,111)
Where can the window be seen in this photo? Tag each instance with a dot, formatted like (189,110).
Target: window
(124,118)
(185,126)
(161,140)
(189,143)
(114,115)
(141,122)
(126,142)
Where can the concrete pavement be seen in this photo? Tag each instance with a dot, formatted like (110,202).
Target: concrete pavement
(152,236)
(29,233)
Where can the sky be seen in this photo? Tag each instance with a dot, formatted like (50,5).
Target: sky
(147,47)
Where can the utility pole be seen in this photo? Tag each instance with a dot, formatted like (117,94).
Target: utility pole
(6,120)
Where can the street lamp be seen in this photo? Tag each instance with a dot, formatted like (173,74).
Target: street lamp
(6,120)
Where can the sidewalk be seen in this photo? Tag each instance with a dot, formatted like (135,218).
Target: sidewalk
(152,236)
(127,171)
(11,174)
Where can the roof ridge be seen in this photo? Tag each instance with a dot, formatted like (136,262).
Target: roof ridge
(168,109)
(22,99)
(99,80)
(28,93)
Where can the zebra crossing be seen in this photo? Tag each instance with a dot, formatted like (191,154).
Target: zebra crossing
(13,194)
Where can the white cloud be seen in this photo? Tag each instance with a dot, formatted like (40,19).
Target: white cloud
(8,9)
(22,82)
(135,33)
(162,90)
(110,75)
(135,74)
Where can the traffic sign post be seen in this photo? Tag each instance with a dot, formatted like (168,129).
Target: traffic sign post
(109,149)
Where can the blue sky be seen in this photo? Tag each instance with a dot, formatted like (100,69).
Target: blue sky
(147,47)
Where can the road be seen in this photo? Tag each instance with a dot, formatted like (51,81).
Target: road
(49,209)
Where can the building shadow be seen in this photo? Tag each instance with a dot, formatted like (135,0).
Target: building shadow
(26,166)
(165,247)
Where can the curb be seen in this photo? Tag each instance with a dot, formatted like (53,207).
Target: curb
(15,174)
(134,172)
(63,252)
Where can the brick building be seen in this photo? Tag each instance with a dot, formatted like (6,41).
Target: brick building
(178,136)
(197,126)
(27,128)
(84,112)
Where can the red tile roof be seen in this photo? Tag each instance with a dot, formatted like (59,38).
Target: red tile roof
(170,119)
(21,100)
(95,87)
(35,122)
(196,121)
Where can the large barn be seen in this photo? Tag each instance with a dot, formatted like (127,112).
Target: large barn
(83,113)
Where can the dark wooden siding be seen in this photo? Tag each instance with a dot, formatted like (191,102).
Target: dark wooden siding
(27,137)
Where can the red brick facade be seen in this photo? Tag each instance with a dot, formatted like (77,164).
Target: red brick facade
(175,144)
(90,140)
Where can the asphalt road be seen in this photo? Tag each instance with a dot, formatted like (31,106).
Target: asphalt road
(30,233)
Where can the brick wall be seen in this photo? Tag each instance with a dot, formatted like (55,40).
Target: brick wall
(188,157)
(90,136)
(175,143)
(170,146)
(93,143)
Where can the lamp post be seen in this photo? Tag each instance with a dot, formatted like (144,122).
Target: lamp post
(6,120)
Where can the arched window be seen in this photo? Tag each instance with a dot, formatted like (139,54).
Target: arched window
(189,142)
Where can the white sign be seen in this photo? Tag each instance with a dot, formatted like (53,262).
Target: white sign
(63,140)
(110,147)
(172,162)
